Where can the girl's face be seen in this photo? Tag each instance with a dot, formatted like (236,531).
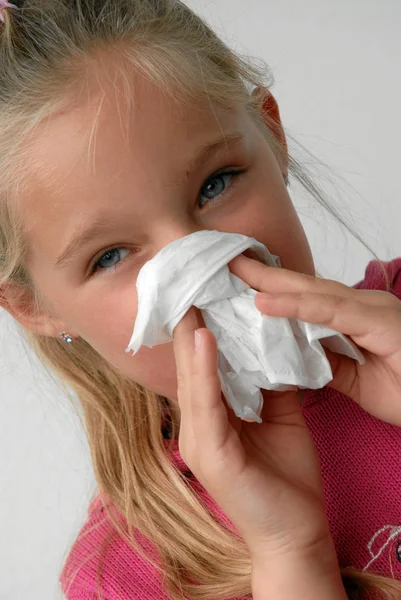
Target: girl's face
(110,188)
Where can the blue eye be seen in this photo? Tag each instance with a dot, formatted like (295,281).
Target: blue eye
(215,186)
(110,259)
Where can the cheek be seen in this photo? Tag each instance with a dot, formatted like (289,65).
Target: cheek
(153,368)
(270,217)
(106,313)
(264,215)
(108,327)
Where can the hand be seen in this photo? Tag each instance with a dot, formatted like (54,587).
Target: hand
(372,319)
(265,477)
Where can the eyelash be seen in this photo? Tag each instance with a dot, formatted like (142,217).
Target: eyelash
(234,173)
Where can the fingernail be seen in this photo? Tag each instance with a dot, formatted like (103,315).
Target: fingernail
(198,341)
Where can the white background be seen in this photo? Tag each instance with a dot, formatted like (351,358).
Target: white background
(337,70)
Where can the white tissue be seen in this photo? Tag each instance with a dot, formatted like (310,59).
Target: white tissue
(255,351)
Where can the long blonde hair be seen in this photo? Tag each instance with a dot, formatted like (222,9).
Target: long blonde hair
(44,49)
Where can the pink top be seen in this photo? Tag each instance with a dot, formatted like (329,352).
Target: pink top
(361,464)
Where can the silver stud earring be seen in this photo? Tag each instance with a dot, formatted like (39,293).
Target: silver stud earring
(66,338)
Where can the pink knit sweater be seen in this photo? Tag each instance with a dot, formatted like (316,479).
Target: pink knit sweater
(361,464)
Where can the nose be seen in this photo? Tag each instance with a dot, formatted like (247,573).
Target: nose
(173,231)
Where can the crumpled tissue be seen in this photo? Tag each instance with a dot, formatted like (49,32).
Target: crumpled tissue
(255,351)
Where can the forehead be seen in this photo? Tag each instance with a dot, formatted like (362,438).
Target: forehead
(113,126)
(114,146)
(133,114)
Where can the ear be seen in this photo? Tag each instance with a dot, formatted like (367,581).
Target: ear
(20,303)
(271,116)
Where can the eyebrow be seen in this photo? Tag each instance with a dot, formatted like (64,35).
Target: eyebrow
(80,239)
(226,142)
(102,224)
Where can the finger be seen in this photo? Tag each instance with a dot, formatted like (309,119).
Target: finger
(209,413)
(268,279)
(375,328)
(183,336)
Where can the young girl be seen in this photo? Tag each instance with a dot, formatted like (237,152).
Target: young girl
(124,125)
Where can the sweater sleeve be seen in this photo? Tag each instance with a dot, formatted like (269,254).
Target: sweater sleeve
(384,276)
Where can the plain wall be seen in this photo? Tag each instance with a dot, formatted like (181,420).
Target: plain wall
(335,65)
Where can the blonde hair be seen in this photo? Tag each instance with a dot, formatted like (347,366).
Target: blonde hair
(44,49)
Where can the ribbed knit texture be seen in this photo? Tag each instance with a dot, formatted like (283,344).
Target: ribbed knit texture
(361,465)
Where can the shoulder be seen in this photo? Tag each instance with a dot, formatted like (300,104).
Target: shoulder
(382,275)
(99,554)
(79,572)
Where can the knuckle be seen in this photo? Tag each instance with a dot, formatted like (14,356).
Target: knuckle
(387,299)
(311,281)
(392,301)
(336,287)
(181,384)
(330,304)
(313,278)
(332,301)
(338,302)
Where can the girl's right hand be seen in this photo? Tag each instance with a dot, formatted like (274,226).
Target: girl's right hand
(265,477)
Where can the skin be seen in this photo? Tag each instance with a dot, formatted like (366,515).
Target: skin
(150,196)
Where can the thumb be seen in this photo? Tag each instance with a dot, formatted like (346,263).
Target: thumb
(345,374)
(282,407)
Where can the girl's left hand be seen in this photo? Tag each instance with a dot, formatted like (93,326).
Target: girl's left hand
(372,319)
